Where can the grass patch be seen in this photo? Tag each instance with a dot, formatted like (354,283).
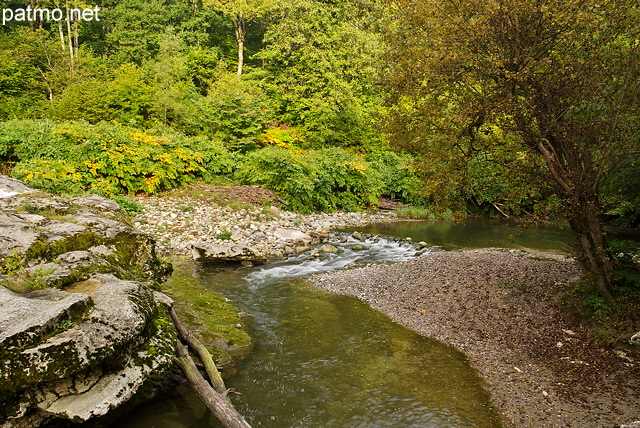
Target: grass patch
(424,213)
(132,207)
(225,236)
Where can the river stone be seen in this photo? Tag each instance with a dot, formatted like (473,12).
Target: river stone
(635,339)
(358,247)
(208,252)
(328,248)
(292,235)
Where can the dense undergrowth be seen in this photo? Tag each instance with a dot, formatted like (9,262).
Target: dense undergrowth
(111,160)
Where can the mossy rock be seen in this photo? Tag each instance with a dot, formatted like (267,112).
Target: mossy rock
(209,316)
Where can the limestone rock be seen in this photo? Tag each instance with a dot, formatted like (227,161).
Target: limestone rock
(207,252)
(76,350)
(27,318)
(292,235)
(10,187)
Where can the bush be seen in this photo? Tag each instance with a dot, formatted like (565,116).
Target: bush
(314,180)
(105,158)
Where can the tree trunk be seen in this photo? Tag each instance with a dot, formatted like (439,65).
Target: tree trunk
(69,34)
(590,246)
(577,184)
(213,397)
(241,30)
(203,354)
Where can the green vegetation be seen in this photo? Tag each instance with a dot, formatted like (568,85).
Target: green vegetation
(210,316)
(449,106)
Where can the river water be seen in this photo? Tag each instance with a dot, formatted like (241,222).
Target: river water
(330,361)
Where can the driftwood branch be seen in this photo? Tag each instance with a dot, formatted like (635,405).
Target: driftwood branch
(215,402)
(203,353)
(213,395)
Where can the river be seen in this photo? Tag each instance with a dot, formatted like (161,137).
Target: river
(330,361)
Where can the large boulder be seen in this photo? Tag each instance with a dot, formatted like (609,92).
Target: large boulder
(209,252)
(82,330)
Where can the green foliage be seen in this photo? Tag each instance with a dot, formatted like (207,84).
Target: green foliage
(216,159)
(234,112)
(316,180)
(131,206)
(107,159)
(319,72)
(51,175)
(424,213)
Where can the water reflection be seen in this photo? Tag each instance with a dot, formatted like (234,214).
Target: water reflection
(478,233)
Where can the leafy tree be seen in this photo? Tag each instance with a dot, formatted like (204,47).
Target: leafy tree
(242,13)
(233,112)
(134,28)
(320,65)
(562,75)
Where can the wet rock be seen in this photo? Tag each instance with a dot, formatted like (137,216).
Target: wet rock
(358,247)
(358,236)
(328,248)
(292,235)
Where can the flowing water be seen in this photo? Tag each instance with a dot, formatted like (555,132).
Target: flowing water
(330,361)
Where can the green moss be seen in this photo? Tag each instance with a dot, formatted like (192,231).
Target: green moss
(208,315)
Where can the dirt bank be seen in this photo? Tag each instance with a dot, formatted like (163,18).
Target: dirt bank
(543,367)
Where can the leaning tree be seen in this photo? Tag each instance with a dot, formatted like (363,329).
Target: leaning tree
(559,75)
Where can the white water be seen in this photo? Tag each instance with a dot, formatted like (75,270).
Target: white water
(376,250)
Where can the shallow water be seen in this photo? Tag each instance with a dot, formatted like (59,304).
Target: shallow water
(330,361)
(478,233)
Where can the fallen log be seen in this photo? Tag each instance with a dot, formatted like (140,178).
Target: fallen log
(203,354)
(215,402)
(213,395)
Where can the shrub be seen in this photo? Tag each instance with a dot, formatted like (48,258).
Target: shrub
(105,158)
(315,180)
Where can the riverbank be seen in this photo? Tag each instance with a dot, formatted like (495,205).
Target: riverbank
(502,308)
(236,215)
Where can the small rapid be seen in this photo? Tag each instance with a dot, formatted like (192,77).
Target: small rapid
(351,252)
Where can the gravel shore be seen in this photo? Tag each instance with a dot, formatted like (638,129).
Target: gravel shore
(500,307)
(177,222)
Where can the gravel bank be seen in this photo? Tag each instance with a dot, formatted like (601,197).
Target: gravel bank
(542,367)
(177,222)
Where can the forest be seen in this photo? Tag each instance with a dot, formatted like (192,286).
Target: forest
(526,109)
